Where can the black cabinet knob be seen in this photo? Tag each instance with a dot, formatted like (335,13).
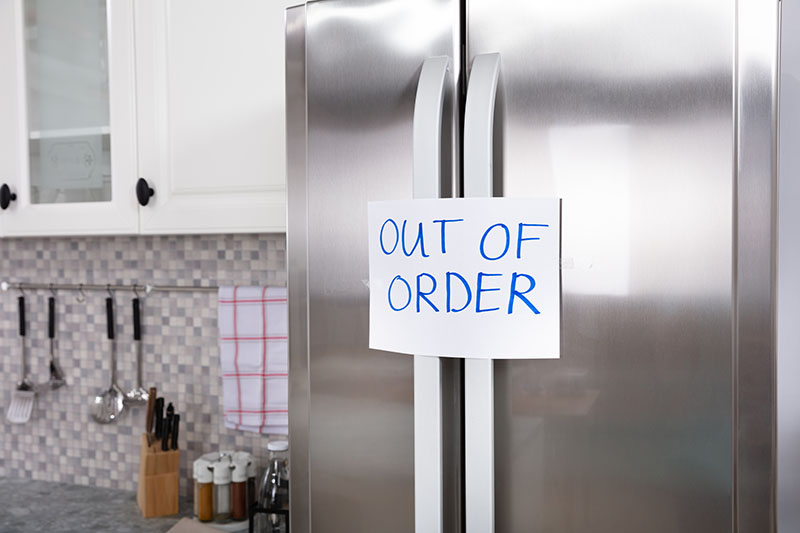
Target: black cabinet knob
(144,192)
(6,196)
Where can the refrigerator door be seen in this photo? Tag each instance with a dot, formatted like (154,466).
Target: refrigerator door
(625,110)
(362,64)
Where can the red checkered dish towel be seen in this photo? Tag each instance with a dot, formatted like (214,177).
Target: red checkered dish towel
(254,347)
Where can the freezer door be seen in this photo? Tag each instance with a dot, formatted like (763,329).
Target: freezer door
(362,65)
(625,110)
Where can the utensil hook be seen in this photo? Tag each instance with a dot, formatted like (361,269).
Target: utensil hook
(81,297)
(136,290)
(52,290)
(21,290)
(110,292)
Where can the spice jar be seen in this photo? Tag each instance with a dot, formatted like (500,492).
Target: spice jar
(196,493)
(222,490)
(252,473)
(204,491)
(239,489)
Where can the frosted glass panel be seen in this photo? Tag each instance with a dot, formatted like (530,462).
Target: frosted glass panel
(68,100)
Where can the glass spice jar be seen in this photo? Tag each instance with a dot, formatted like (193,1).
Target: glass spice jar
(222,490)
(239,489)
(204,491)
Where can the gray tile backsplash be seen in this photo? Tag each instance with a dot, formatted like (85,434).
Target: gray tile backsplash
(61,442)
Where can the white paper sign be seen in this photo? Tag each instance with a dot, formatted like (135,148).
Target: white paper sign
(470,277)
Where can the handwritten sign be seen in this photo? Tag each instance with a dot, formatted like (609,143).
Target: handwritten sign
(471,277)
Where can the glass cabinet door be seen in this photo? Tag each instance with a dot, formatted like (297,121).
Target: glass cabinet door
(68,117)
(67,90)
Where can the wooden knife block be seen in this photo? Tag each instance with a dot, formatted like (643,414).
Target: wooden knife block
(158,480)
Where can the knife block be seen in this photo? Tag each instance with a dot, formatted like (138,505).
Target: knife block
(157,494)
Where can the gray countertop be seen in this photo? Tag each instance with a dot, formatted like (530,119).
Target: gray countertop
(27,506)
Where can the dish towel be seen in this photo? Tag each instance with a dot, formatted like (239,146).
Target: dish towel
(254,355)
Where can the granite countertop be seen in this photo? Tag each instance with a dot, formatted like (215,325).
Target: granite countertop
(27,506)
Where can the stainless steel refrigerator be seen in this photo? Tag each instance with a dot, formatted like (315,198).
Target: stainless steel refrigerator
(656,122)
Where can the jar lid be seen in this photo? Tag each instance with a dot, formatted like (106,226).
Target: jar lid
(201,471)
(222,472)
(239,470)
(278,446)
(211,457)
(238,456)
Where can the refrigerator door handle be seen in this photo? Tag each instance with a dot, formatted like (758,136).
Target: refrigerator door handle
(427,126)
(427,146)
(479,373)
(479,126)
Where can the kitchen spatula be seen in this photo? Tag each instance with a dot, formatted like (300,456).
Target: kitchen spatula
(21,406)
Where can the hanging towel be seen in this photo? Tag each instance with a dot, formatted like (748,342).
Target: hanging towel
(254,355)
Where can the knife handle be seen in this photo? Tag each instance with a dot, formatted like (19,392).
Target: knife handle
(167,427)
(51,317)
(151,409)
(159,416)
(137,321)
(165,439)
(176,424)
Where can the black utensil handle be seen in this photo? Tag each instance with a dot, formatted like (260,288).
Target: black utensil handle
(21,307)
(110,318)
(137,321)
(176,424)
(51,317)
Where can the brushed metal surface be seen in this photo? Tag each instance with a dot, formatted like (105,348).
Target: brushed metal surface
(363,62)
(297,261)
(788,282)
(624,109)
(758,36)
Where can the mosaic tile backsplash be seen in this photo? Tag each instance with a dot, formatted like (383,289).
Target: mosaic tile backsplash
(179,334)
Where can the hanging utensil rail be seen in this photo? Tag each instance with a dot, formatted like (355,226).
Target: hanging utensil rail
(5,286)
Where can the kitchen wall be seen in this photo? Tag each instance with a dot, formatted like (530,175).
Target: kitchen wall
(61,442)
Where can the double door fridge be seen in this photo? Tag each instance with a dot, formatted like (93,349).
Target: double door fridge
(656,123)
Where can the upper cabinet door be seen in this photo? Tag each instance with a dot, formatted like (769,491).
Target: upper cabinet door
(68,121)
(210,103)
(9,99)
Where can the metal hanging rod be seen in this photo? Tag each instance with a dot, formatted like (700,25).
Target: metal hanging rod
(80,287)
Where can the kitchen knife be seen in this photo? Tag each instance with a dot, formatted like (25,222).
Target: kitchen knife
(159,417)
(167,428)
(151,410)
(165,440)
(176,422)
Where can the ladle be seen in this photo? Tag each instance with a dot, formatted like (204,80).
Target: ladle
(138,394)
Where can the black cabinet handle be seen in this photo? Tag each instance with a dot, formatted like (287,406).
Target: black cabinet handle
(6,196)
(144,192)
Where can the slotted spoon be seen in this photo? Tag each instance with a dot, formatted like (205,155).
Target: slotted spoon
(108,405)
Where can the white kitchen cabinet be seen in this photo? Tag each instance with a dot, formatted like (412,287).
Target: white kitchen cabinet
(67,117)
(210,106)
(187,94)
